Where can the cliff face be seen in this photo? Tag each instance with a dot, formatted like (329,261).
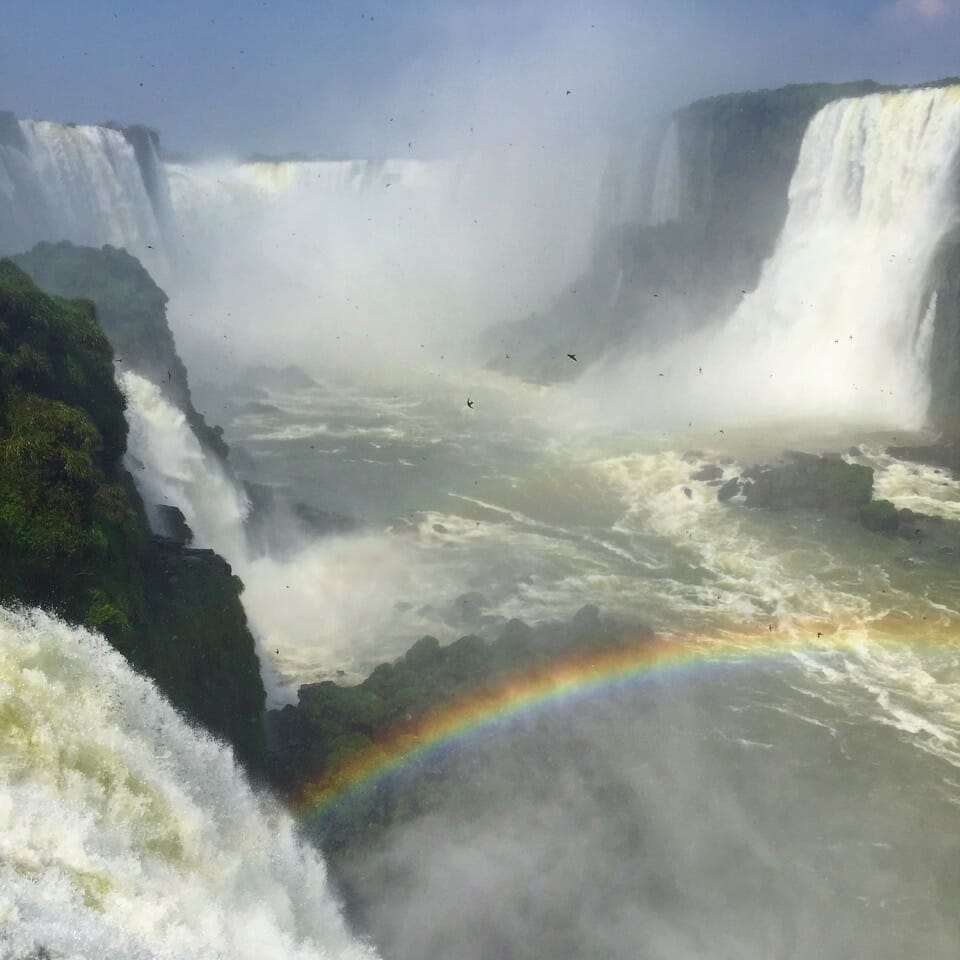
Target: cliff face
(945,352)
(713,183)
(73,532)
(132,310)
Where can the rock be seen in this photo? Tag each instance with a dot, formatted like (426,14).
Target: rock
(880,516)
(729,490)
(586,620)
(469,606)
(710,472)
(811,482)
(173,524)
(516,631)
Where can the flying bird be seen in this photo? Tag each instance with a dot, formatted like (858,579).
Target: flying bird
(469,403)
(572,356)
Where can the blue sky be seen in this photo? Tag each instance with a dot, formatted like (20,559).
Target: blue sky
(378,77)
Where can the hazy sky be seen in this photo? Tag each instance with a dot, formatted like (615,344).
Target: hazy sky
(378,76)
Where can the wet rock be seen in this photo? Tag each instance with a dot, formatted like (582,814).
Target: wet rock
(729,490)
(516,631)
(936,454)
(710,472)
(811,482)
(880,516)
(586,620)
(173,525)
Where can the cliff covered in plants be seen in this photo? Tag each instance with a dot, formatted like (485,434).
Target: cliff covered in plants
(74,537)
(132,310)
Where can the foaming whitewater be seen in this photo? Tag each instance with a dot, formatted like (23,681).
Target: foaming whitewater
(323,608)
(78,183)
(840,324)
(127,834)
(171,468)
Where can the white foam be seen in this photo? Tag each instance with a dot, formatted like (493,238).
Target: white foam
(125,833)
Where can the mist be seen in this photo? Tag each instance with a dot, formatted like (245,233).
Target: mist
(642,828)
(553,324)
(374,264)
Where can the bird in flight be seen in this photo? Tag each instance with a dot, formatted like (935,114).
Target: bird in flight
(469,403)
(572,356)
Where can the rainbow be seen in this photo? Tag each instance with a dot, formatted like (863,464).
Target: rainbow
(558,684)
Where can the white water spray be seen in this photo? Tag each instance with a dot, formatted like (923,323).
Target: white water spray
(124,833)
(172,469)
(324,262)
(839,325)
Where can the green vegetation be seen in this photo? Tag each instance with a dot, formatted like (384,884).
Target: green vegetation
(133,312)
(331,722)
(73,533)
(811,482)
(881,516)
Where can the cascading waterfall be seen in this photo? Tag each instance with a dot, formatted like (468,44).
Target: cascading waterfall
(125,834)
(642,179)
(665,196)
(171,468)
(836,326)
(78,183)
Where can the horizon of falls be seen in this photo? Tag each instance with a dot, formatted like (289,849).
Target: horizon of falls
(128,834)
(840,323)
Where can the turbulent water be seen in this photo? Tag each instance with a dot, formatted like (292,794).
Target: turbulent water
(125,833)
(804,809)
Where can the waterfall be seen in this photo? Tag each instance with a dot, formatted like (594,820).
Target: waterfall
(171,468)
(124,833)
(84,184)
(642,179)
(838,313)
(839,325)
(665,195)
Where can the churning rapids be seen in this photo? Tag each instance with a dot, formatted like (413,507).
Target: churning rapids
(797,809)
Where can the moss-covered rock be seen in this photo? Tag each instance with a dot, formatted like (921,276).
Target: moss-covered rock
(330,722)
(880,516)
(811,483)
(132,310)
(74,537)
